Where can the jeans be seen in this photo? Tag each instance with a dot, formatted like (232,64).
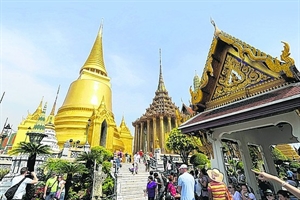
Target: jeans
(62,196)
(50,196)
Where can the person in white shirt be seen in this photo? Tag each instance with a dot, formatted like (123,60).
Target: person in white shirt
(21,191)
(186,184)
(136,160)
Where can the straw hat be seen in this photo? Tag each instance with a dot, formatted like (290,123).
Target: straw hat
(215,175)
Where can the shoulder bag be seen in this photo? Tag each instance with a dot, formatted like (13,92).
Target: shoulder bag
(49,188)
(10,193)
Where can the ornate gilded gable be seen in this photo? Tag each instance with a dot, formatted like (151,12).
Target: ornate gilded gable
(235,70)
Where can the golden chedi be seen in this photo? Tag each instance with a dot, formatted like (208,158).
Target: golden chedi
(86,114)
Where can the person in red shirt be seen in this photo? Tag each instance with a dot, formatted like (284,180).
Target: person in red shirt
(141,155)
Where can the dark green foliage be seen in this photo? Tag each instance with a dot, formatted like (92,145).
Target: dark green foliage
(199,160)
(30,148)
(108,186)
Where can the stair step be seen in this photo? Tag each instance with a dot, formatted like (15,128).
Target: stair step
(131,186)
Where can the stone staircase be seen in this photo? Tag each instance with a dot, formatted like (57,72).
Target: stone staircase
(129,186)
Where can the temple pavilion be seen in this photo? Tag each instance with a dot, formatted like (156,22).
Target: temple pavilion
(152,128)
(248,99)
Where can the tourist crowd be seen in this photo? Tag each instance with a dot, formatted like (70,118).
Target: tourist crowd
(177,182)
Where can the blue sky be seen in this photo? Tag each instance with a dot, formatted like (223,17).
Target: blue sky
(45,43)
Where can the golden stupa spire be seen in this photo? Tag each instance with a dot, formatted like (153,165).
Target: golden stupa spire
(50,119)
(161,85)
(95,61)
(54,105)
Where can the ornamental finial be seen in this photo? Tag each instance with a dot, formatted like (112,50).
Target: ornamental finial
(217,30)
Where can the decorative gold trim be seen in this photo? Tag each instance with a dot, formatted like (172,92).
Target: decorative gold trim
(246,92)
(256,55)
(206,147)
(197,94)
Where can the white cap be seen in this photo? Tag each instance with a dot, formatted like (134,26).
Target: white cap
(183,166)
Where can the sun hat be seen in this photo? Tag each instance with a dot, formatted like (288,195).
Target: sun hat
(215,175)
(183,166)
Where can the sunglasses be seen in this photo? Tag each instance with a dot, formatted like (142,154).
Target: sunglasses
(269,195)
(230,187)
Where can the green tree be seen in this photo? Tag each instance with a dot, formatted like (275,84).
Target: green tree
(103,152)
(32,149)
(181,144)
(199,160)
(54,165)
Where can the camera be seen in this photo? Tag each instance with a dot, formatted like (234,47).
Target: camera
(28,174)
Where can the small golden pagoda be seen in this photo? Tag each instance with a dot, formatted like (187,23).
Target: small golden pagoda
(26,125)
(86,114)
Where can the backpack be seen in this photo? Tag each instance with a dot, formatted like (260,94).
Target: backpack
(10,193)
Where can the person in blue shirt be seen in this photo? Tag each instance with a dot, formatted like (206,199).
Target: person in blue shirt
(118,163)
(186,184)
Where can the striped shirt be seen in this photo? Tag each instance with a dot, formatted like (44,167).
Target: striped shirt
(218,190)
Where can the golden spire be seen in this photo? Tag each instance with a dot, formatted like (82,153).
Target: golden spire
(161,85)
(54,105)
(123,122)
(95,61)
(39,108)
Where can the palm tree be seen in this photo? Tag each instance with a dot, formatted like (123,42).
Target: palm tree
(71,168)
(33,150)
(89,158)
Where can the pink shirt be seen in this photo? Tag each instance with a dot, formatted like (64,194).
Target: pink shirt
(171,189)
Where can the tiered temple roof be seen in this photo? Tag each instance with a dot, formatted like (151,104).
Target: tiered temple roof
(240,82)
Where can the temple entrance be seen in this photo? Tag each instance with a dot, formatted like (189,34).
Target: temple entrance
(103,133)
(249,145)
